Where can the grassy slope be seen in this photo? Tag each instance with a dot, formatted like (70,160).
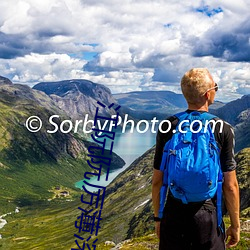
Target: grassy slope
(125,195)
(50,225)
(150,242)
(31,165)
(32,183)
(26,172)
(243,175)
(44,226)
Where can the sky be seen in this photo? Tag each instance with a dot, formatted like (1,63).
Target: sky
(127,45)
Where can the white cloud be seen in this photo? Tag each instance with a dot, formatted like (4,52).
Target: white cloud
(35,68)
(140,44)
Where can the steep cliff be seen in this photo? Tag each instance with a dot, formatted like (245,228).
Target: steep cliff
(77,97)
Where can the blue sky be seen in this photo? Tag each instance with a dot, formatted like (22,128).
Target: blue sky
(126,45)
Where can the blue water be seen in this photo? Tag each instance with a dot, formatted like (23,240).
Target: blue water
(129,146)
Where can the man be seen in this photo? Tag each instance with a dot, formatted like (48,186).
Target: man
(194,225)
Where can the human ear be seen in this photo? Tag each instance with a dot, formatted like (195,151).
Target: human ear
(207,95)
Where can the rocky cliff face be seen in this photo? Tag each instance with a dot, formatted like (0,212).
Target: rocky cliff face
(232,110)
(77,97)
(242,130)
(237,114)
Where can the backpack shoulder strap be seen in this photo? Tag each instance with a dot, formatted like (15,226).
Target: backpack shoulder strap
(182,115)
(208,116)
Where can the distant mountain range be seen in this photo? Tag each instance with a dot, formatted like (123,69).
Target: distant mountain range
(78,97)
(158,104)
(231,111)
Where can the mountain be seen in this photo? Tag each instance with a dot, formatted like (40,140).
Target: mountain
(4,80)
(17,103)
(237,114)
(167,102)
(78,97)
(36,167)
(242,130)
(157,103)
(232,110)
(160,104)
(216,105)
(31,164)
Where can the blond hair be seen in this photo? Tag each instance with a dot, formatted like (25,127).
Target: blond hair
(195,83)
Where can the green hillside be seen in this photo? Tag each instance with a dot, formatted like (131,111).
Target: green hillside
(31,164)
(243,175)
(38,172)
(50,225)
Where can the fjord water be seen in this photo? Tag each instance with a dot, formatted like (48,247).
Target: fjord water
(129,146)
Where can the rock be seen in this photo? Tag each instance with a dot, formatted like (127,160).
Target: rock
(2,223)
(245,225)
(109,243)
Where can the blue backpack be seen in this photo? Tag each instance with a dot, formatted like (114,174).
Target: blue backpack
(191,162)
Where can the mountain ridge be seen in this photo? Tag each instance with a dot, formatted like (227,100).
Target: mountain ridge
(78,97)
(4,80)
(230,111)
(237,113)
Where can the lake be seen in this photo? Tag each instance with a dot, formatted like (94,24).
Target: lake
(129,146)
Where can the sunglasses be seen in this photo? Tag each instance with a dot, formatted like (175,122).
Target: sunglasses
(216,87)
